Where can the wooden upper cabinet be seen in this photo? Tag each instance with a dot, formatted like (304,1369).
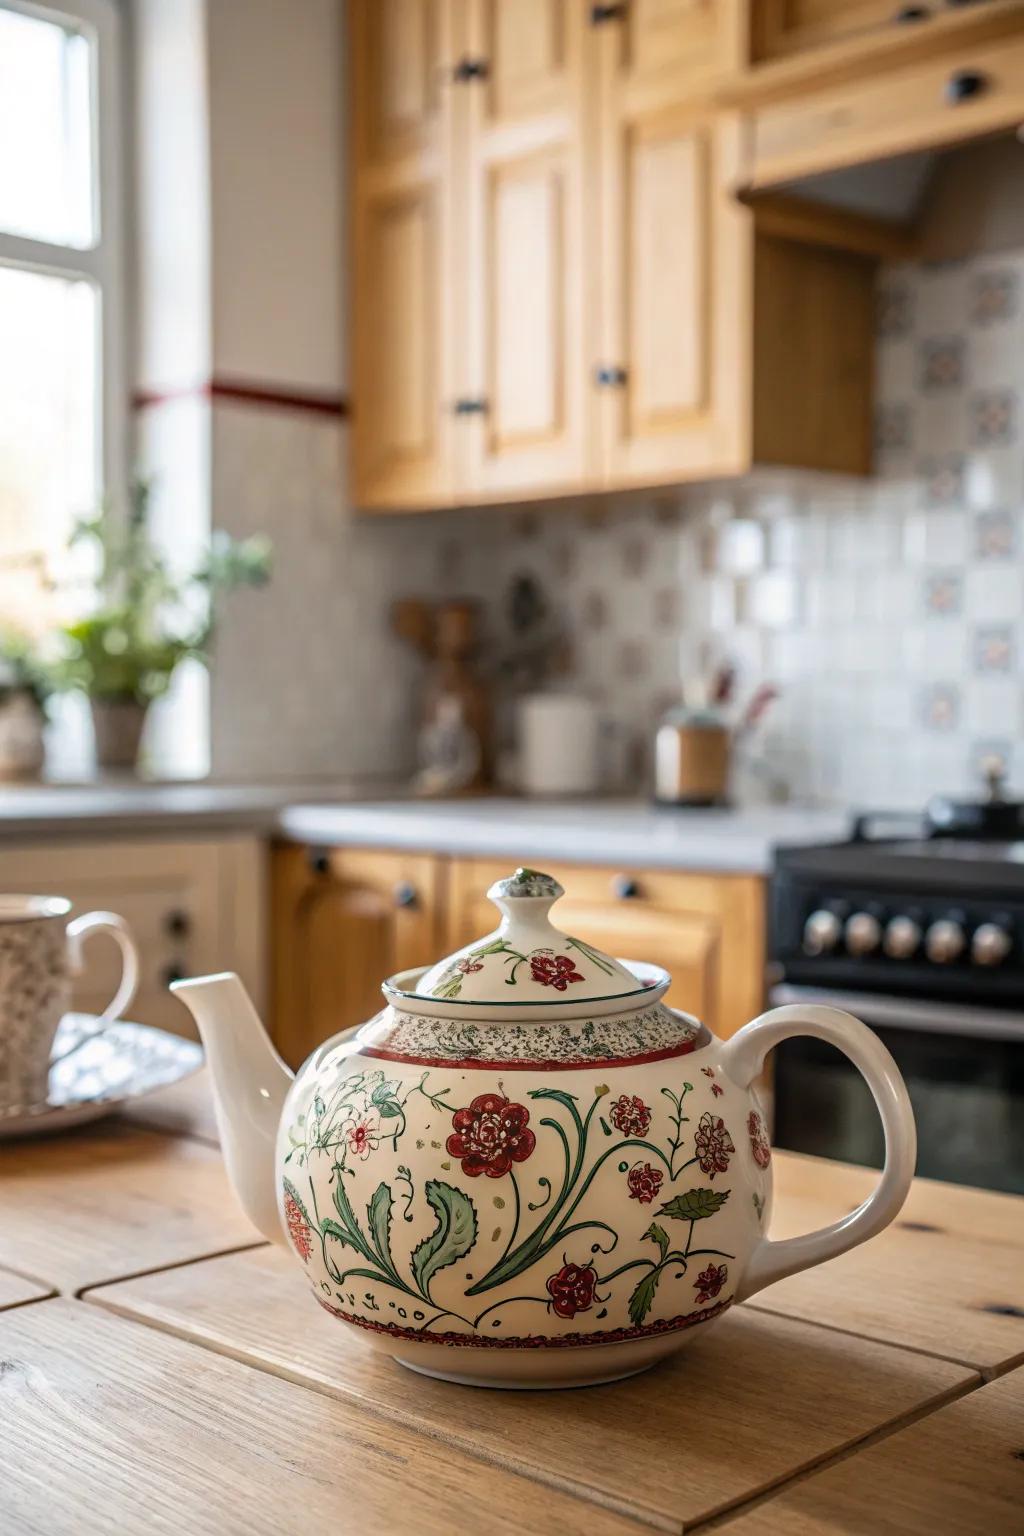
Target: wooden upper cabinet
(676,254)
(344,919)
(526,273)
(400,294)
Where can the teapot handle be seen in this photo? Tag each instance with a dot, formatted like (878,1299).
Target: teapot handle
(742,1059)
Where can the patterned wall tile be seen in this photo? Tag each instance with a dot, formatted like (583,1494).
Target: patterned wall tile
(889,613)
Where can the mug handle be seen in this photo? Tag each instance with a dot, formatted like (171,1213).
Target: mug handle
(106,922)
(743,1057)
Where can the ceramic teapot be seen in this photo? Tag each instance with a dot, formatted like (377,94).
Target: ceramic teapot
(527,1169)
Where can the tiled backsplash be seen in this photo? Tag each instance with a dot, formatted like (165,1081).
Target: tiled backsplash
(888,612)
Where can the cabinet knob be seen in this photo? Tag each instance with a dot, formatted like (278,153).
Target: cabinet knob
(610,378)
(911,13)
(471,405)
(469,69)
(178,924)
(625,887)
(174,971)
(965,85)
(319,861)
(405,894)
(603,13)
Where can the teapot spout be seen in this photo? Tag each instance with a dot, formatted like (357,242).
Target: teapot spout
(250,1082)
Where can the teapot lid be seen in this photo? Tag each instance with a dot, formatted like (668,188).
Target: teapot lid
(526,960)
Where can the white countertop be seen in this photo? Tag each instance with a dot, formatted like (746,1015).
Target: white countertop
(125,805)
(627,832)
(624,832)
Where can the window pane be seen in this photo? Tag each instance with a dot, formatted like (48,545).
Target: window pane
(45,131)
(49,429)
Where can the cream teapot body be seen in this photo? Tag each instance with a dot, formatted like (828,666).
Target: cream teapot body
(528,1192)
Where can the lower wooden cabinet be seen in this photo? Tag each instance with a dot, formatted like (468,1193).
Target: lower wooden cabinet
(193,906)
(343,919)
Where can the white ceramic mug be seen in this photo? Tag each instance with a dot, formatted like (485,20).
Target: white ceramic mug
(39,953)
(558,744)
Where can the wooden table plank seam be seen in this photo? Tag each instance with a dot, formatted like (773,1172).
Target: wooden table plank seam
(985,1372)
(196,1309)
(727,1514)
(81,1293)
(412,1420)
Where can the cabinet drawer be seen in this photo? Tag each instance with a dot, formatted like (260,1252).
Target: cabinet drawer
(977,91)
(784,27)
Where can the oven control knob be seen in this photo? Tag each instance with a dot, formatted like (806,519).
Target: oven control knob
(944,942)
(902,938)
(990,944)
(821,932)
(863,933)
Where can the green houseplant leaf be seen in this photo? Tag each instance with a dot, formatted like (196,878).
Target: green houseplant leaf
(695,1204)
(451,1239)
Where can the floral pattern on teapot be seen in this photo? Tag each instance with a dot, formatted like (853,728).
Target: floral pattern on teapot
(441,1207)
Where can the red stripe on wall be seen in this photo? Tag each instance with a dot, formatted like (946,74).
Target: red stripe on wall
(245,392)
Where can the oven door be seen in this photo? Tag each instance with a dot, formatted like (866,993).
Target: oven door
(964,1070)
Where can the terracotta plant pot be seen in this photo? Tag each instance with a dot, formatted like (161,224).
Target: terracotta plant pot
(21,737)
(117,726)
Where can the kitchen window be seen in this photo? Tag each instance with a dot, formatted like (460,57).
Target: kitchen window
(62,376)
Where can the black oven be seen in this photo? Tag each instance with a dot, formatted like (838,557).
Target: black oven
(964,1069)
(923,939)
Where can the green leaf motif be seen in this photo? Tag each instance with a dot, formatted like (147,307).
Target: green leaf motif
(453,1236)
(658,1235)
(384,1091)
(379,1216)
(642,1299)
(348,1216)
(390,1109)
(695,1204)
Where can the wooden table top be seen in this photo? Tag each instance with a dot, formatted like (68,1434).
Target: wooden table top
(181,1380)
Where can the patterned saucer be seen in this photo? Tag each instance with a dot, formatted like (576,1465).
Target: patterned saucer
(123,1061)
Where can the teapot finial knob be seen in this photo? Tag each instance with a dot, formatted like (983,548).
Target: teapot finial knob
(528,884)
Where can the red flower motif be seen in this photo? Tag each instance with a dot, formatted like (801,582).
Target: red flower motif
(572,1290)
(759,1143)
(490,1136)
(717,1090)
(631,1116)
(710,1281)
(713,1144)
(466,966)
(298,1228)
(363,1136)
(553,970)
(644,1182)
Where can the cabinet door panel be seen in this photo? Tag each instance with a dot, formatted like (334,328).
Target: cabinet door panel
(676,314)
(401,289)
(342,924)
(525,268)
(667,203)
(678,40)
(402,51)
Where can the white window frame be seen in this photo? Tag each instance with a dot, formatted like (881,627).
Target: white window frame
(103,263)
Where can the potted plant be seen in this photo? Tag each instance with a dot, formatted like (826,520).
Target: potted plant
(23,692)
(148,618)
